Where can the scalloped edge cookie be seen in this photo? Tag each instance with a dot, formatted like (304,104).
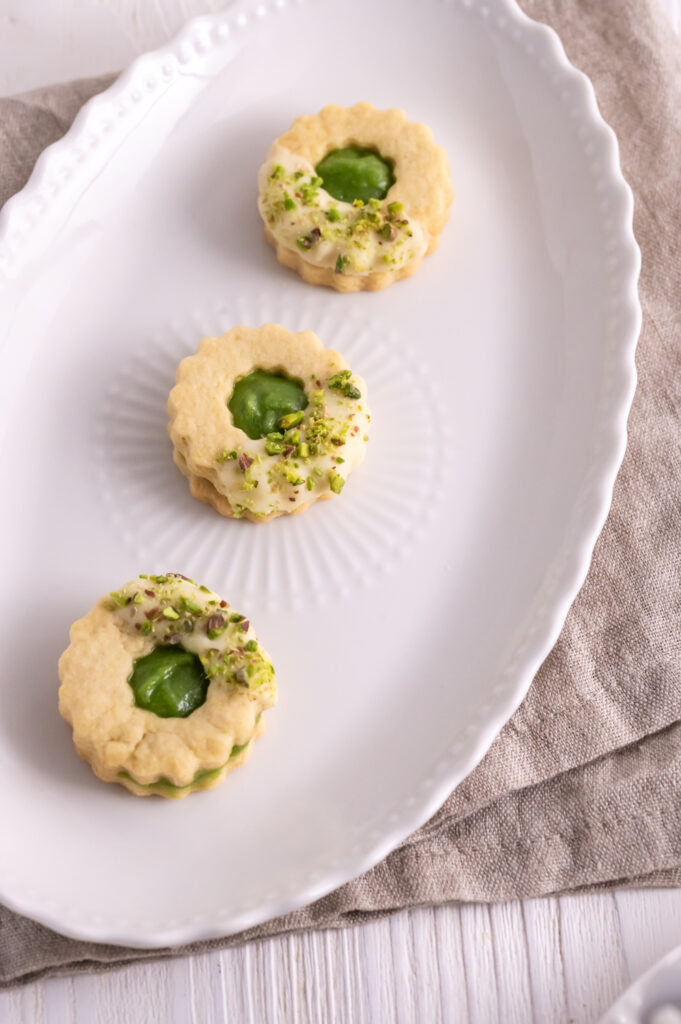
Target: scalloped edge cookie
(134,747)
(422,189)
(250,479)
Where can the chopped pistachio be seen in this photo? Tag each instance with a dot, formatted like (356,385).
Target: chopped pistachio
(274,446)
(146,627)
(137,599)
(215,625)
(188,605)
(120,599)
(277,172)
(340,379)
(395,208)
(333,214)
(304,450)
(309,483)
(292,476)
(251,646)
(336,482)
(235,617)
(339,459)
(288,202)
(309,190)
(292,419)
(341,264)
(223,456)
(170,613)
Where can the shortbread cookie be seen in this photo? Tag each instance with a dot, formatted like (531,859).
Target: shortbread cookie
(354,197)
(164,686)
(264,422)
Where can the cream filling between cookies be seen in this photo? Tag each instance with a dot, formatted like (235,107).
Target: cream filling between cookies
(350,238)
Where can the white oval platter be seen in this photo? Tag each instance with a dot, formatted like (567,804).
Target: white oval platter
(407,618)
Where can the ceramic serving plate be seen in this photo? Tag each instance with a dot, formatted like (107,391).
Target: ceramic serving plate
(654,998)
(406,618)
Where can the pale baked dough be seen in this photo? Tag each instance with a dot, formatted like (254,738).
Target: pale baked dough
(135,747)
(232,472)
(422,190)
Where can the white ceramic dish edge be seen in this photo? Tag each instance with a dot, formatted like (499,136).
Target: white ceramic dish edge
(648,988)
(94,131)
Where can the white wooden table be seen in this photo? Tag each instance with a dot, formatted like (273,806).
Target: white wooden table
(548,961)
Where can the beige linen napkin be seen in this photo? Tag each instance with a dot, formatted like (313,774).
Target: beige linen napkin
(583,786)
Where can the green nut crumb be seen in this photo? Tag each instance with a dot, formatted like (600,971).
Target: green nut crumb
(188,605)
(137,599)
(274,445)
(120,599)
(341,382)
(336,482)
(309,483)
(292,419)
(288,202)
(395,208)
(333,214)
(251,646)
(170,613)
(292,476)
(341,264)
(146,627)
(340,379)
(225,456)
(277,172)
(304,450)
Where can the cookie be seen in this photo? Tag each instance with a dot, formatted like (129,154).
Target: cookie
(265,422)
(354,197)
(164,686)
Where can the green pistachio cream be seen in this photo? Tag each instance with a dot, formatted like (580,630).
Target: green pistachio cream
(169,681)
(351,174)
(263,399)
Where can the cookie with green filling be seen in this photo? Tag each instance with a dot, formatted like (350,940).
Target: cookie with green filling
(265,421)
(164,685)
(354,197)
